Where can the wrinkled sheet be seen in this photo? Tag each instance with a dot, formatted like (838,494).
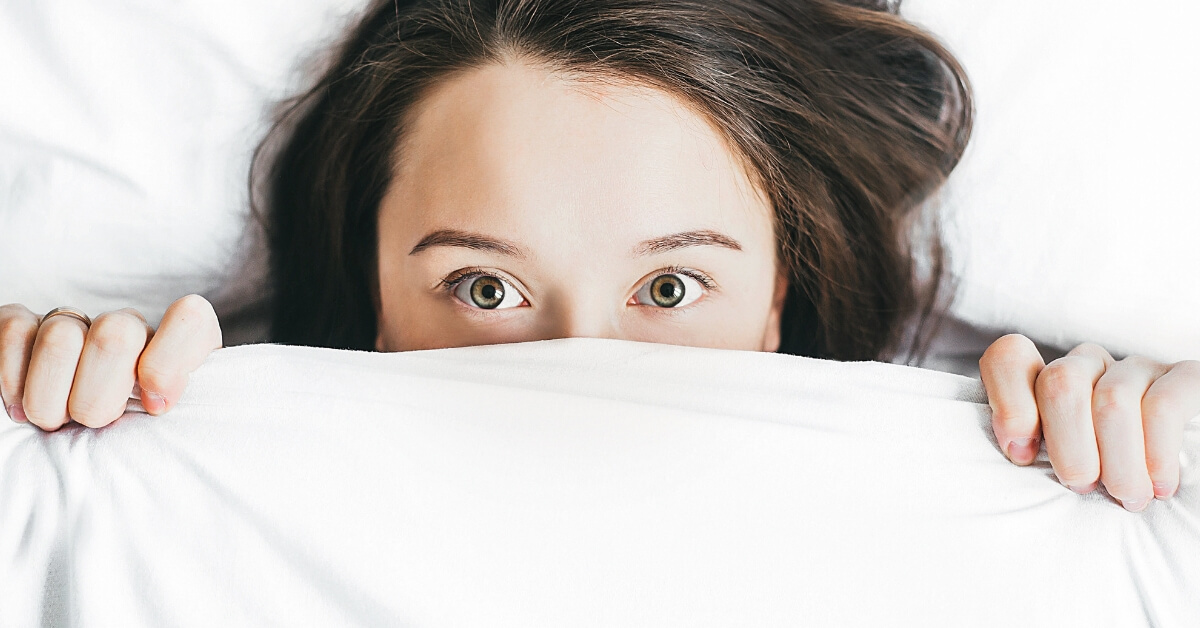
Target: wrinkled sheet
(572,483)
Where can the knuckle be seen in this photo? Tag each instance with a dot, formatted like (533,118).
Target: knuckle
(117,332)
(1159,467)
(48,427)
(15,327)
(128,311)
(1111,400)
(1158,407)
(193,306)
(10,384)
(10,392)
(1009,348)
(195,311)
(1141,363)
(1008,417)
(1091,351)
(1123,488)
(1063,378)
(154,374)
(61,337)
(90,413)
(14,310)
(1190,368)
(1091,347)
(44,418)
(1078,473)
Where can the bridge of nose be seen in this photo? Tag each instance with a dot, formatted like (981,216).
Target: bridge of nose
(583,309)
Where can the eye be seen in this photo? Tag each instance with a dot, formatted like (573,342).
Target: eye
(487,292)
(669,290)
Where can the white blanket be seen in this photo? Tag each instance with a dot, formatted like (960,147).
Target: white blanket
(572,483)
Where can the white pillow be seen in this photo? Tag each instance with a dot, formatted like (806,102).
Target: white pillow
(126,129)
(1075,215)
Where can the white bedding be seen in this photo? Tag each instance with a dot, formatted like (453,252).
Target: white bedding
(572,483)
(1073,216)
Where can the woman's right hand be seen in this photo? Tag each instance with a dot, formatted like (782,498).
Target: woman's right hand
(58,370)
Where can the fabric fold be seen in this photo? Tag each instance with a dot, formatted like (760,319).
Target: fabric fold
(573,482)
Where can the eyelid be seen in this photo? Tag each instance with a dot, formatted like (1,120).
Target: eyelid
(703,278)
(463,274)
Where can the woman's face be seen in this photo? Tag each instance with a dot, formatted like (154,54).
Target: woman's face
(527,207)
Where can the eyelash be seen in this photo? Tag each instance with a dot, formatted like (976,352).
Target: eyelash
(450,282)
(700,277)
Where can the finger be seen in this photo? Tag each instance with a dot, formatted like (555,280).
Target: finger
(18,329)
(1009,369)
(52,370)
(188,333)
(1091,350)
(1064,398)
(1172,401)
(107,367)
(1117,415)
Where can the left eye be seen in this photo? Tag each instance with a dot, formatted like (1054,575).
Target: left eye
(487,292)
(669,290)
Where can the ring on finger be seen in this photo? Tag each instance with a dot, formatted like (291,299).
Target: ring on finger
(67,311)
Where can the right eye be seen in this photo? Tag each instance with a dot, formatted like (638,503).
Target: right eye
(669,290)
(487,292)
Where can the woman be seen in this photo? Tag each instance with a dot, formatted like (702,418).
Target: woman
(735,174)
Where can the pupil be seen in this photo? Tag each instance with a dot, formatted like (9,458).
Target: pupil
(667,291)
(487,292)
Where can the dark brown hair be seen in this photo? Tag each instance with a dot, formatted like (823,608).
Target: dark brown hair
(847,116)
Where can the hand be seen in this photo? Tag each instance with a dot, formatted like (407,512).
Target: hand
(1119,422)
(63,370)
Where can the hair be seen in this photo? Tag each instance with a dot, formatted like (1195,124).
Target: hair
(847,116)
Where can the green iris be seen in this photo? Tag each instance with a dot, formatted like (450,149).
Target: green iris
(667,290)
(487,292)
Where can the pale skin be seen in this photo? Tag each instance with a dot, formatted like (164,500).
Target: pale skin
(531,206)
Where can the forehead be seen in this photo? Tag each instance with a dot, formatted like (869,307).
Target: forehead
(525,152)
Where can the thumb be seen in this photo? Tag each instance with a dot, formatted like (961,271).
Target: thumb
(188,333)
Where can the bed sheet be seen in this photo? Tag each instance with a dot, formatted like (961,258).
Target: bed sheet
(572,482)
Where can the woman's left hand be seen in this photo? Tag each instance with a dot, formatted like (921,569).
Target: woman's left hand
(1119,422)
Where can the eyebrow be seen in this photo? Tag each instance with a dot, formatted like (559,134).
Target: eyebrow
(653,246)
(466,240)
(684,240)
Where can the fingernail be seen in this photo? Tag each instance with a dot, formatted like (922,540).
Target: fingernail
(1084,490)
(17,413)
(1163,490)
(1135,506)
(1023,450)
(155,403)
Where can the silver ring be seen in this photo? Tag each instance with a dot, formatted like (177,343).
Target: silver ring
(67,311)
